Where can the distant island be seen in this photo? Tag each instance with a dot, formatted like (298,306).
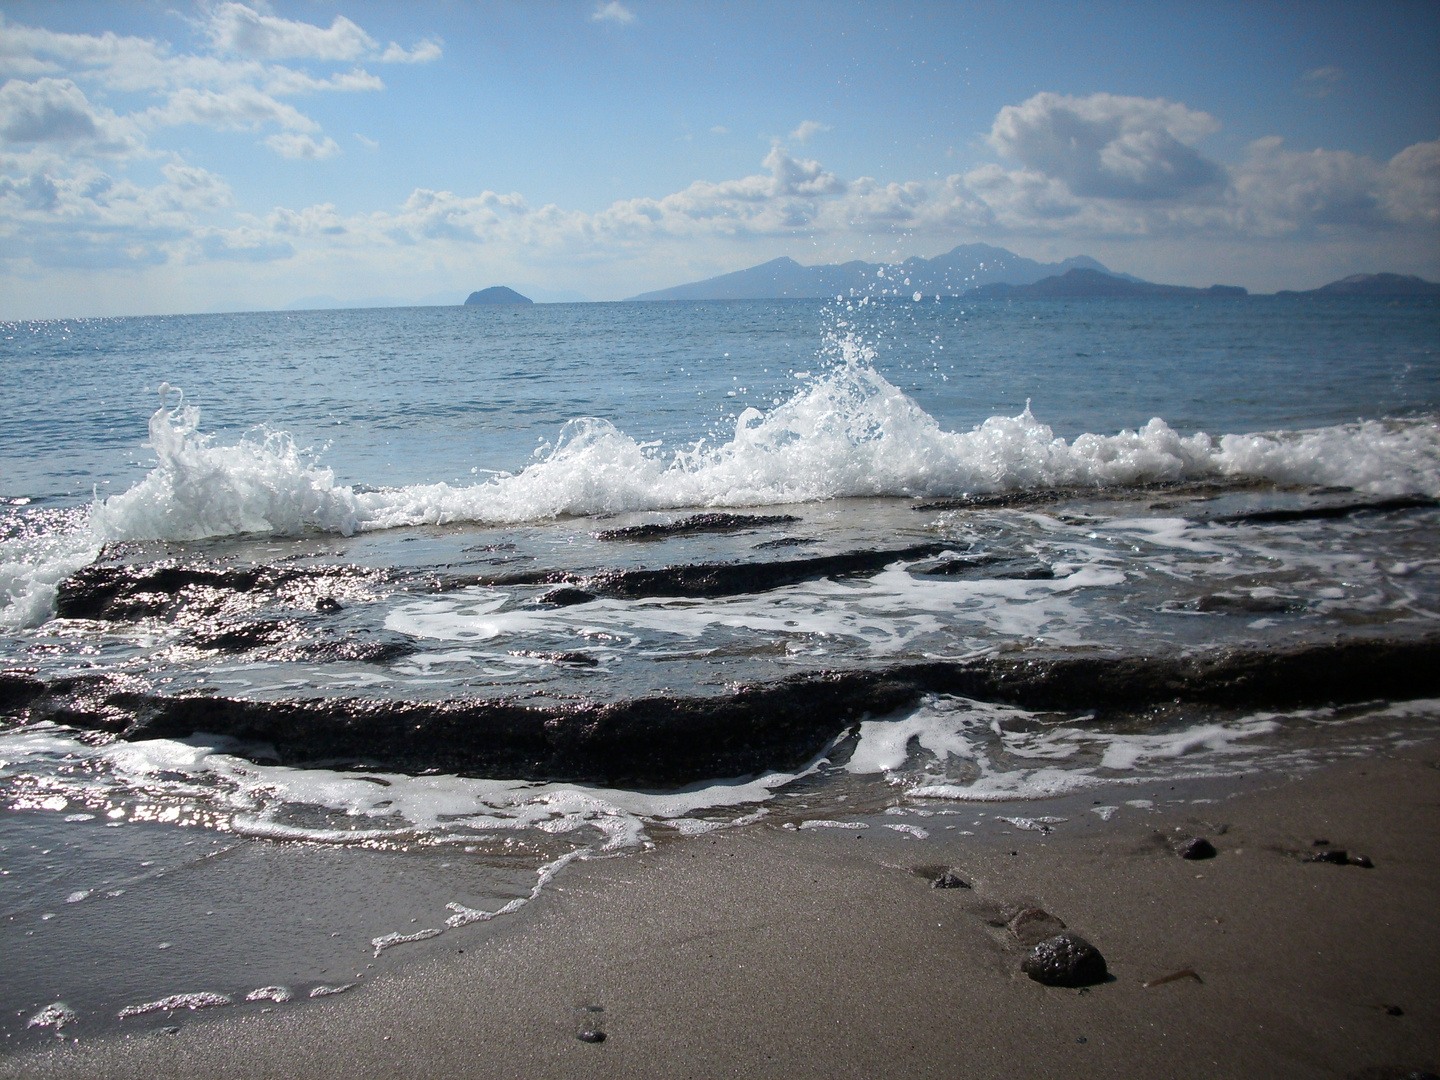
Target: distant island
(1083,283)
(952,274)
(1371,285)
(496,294)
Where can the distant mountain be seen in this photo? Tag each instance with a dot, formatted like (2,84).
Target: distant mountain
(951,274)
(496,294)
(1083,283)
(1372,285)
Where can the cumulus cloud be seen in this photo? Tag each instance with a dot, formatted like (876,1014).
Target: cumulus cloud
(1073,168)
(1410,185)
(93,220)
(290,145)
(807,130)
(1109,146)
(56,113)
(426,51)
(237,28)
(240,108)
(613,12)
(59,208)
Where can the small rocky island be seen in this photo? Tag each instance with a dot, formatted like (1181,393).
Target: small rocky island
(1371,285)
(496,294)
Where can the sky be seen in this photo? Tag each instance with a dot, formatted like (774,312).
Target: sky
(167,157)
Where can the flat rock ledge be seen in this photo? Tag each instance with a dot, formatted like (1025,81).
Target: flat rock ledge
(752,729)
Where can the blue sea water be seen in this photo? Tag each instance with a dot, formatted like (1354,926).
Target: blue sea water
(414,482)
(398,396)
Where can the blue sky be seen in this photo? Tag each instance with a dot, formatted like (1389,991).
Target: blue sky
(164,157)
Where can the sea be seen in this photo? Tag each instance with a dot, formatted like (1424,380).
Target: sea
(330,637)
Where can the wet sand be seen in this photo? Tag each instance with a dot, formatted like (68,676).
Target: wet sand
(763,952)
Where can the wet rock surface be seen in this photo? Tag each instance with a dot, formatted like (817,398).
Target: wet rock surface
(127,592)
(1281,515)
(664,739)
(1066,959)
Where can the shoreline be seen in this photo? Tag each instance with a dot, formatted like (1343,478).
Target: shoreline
(767,952)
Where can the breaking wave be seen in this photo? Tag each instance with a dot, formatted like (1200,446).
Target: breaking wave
(848,432)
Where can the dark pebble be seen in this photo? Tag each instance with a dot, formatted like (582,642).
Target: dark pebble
(1066,959)
(1362,861)
(950,880)
(1337,856)
(1321,843)
(1394,1010)
(1197,847)
(591,1036)
(327,603)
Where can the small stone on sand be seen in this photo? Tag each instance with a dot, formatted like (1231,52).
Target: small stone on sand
(1066,959)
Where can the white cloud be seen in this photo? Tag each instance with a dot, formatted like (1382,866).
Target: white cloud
(807,130)
(423,53)
(1109,146)
(369,144)
(1321,82)
(1410,185)
(1091,171)
(613,12)
(240,108)
(719,129)
(56,113)
(290,145)
(236,28)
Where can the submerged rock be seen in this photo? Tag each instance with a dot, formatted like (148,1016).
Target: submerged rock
(1066,959)
(696,523)
(567,597)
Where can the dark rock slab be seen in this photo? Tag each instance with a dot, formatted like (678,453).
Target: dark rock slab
(696,523)
(129,592)
(733,579)
(1066,959)
(18,689)
(997,500)
(664,740)
(1322,513)
(950,879)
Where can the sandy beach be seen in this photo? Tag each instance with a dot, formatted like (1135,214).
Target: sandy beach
(765,952)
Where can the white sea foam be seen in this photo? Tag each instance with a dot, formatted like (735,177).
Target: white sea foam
(849,432)
(956,748)
(196,781)
(176,1001)
(277,994)
(56,1015)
